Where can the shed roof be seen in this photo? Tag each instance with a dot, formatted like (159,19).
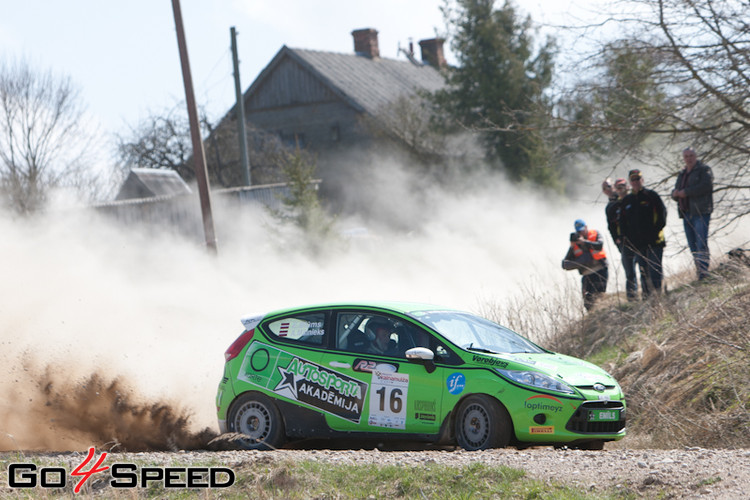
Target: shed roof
(151,182)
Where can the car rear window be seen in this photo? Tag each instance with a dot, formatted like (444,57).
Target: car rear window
(307,328)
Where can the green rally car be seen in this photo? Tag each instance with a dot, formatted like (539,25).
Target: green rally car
(410,372)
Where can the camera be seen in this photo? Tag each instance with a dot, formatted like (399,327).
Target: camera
(573,236)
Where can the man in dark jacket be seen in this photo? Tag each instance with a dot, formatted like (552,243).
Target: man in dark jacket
(693,192)
(627,255)
(614,196)
(642,220)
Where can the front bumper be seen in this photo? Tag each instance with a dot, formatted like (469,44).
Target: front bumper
(587,418)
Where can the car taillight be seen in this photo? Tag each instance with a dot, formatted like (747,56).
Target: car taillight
(238,345)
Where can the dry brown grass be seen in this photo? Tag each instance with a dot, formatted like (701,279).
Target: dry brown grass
(542,315)
(683,359)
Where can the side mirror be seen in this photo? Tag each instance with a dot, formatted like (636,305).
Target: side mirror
(423,354)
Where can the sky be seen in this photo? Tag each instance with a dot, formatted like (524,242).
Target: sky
(123,56)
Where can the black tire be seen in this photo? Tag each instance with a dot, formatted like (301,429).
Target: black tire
(257,417)
(482,423)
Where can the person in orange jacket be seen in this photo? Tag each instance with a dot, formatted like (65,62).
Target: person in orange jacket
(586,255)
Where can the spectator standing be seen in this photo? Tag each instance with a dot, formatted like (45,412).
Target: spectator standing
(693,192)
(627,255)
(586,255)
(612,210)
(642,220)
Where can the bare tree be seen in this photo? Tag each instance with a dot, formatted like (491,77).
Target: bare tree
(44,142)
(266,153)
(412,125)
(162,140)
(706,45)
(678,74)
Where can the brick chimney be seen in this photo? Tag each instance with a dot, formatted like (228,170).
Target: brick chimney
(366,42)
(432,52)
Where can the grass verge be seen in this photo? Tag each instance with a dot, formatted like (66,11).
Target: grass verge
(320,480)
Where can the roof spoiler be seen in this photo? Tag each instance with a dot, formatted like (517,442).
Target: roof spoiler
(251,321)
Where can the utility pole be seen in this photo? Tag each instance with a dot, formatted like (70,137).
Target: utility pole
(244,162)
(199,154)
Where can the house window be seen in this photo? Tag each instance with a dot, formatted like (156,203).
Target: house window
(335,133)
(293,140)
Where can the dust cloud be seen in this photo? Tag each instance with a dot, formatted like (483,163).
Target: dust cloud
(112,336)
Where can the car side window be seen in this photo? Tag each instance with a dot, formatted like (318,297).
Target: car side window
(350,332)
(306,328)
(413,336)
(377,334)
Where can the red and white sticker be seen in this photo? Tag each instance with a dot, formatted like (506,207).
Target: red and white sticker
(284,330)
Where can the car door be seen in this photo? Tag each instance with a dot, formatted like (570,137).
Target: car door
(401,395)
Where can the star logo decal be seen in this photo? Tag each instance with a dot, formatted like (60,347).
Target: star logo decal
(287,383)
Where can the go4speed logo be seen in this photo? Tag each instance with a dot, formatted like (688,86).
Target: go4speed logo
(121,475)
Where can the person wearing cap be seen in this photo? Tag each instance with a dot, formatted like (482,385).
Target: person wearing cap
(693,193)
(586,255)
(612,210)
(642,220)
(627,256)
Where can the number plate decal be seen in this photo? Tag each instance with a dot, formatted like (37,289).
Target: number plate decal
(388,396)
(604,415)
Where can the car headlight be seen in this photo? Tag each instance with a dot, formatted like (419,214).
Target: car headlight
(537,380)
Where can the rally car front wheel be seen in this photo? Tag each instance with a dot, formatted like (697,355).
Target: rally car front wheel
(256,417)
(482,423)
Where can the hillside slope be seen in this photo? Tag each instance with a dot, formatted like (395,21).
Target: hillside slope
(683,359)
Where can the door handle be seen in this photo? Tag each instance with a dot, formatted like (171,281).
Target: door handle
(339,364)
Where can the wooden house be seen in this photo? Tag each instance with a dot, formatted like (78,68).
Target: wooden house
(339,105)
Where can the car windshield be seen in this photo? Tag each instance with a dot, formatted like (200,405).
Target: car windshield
(474,333)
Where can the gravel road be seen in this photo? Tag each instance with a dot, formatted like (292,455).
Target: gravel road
(684,473)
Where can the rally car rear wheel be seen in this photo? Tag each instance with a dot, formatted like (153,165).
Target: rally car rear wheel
(256,417)
(482,423)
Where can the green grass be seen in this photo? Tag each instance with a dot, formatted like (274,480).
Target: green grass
(709,481)
(607,354)
(325,480)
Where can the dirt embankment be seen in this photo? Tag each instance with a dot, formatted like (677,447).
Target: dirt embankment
(682,359)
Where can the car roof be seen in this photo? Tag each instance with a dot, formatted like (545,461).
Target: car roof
(392,306)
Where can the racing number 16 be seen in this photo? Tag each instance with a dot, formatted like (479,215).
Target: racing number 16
(396,403)
(388,399)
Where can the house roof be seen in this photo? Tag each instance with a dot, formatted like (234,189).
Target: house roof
(367,84)
(151,182)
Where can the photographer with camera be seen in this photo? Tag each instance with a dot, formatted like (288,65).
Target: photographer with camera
(586,255)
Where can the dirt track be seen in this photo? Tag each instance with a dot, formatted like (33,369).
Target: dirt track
(686,473)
